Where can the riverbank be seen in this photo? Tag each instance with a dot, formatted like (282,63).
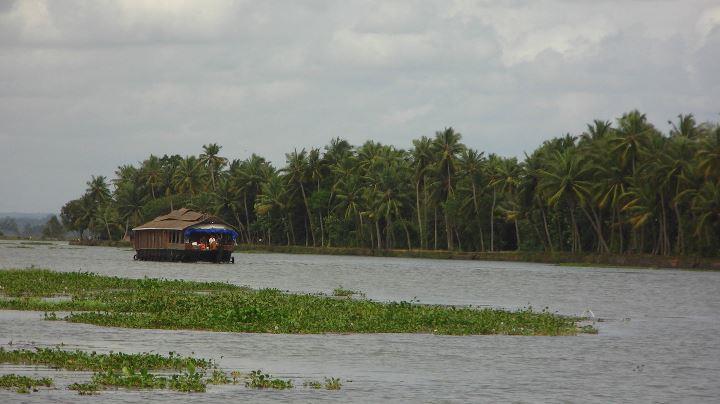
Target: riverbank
(562,258)
(174,304)
(559,258)
(101,243)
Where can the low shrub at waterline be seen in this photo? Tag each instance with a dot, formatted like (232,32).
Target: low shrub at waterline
(133,371)
(155,303)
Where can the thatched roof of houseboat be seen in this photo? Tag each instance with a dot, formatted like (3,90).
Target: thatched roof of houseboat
(178,219)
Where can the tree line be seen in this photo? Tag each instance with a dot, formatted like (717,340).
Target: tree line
(618,187)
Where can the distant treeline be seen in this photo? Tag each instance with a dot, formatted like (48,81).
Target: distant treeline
(623,187)
(47,226)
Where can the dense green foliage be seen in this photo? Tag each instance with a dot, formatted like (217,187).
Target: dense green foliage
(616,188)
(23,384)
(151,303)
(133,371)
(79,360)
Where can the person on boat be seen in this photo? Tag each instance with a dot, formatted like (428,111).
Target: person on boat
(213,243)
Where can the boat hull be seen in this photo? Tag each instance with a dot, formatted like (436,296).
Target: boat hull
(218,256)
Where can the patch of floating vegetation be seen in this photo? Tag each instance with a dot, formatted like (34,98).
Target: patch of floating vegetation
(341,292)
(132,371)
(23,384)
(331,383)
(57,358)
(260,380)
(175,304)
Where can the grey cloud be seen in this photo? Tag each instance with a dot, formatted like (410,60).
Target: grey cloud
(87,86)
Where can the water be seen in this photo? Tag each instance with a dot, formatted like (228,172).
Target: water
(659,340)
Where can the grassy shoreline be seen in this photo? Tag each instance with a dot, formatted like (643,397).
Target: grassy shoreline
(172,304)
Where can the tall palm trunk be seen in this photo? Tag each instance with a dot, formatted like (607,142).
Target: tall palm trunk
(448,232)
(477,216)
(407,235)
(547,230)
(379,238)
(679,242)
(598,230)
(435,239)
(417,208)
(247,219)
(492,221)
(307,208)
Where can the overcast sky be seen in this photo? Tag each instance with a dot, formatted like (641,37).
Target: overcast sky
(86,86)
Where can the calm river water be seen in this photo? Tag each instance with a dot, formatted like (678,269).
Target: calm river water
(659,338)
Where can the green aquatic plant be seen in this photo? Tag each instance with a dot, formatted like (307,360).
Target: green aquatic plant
(23,384)
(235,374)
(85,389)
(79,360)
(259,380)
(51,316)
(313,384)
(341,292)
(218,377)
(332,383)
(153,303)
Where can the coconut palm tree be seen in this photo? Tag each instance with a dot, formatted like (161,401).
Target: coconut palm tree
(447,147)
(211,161)
(422,160)
(152,173)
(507,178)
(564,182)
(189,176)
(472,167)
(129,200)
(297,174)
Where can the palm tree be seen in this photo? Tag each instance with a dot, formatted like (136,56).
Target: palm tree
(508,177)
(472,167)
(447,147)
(348,193)
(686,127)
(226,201)
(189,176)
(706,204)
(632,135)
(129,200)
(152,173)
(422,161)
(598,130)
(126,173)
(316,172)
(106,216)
(211,161)
(273,198)
(708,156)
(564,182)
(297,173)
(97,189)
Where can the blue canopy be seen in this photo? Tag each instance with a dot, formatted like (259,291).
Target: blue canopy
(218,230)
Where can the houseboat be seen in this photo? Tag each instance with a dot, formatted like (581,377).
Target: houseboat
(184,235)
